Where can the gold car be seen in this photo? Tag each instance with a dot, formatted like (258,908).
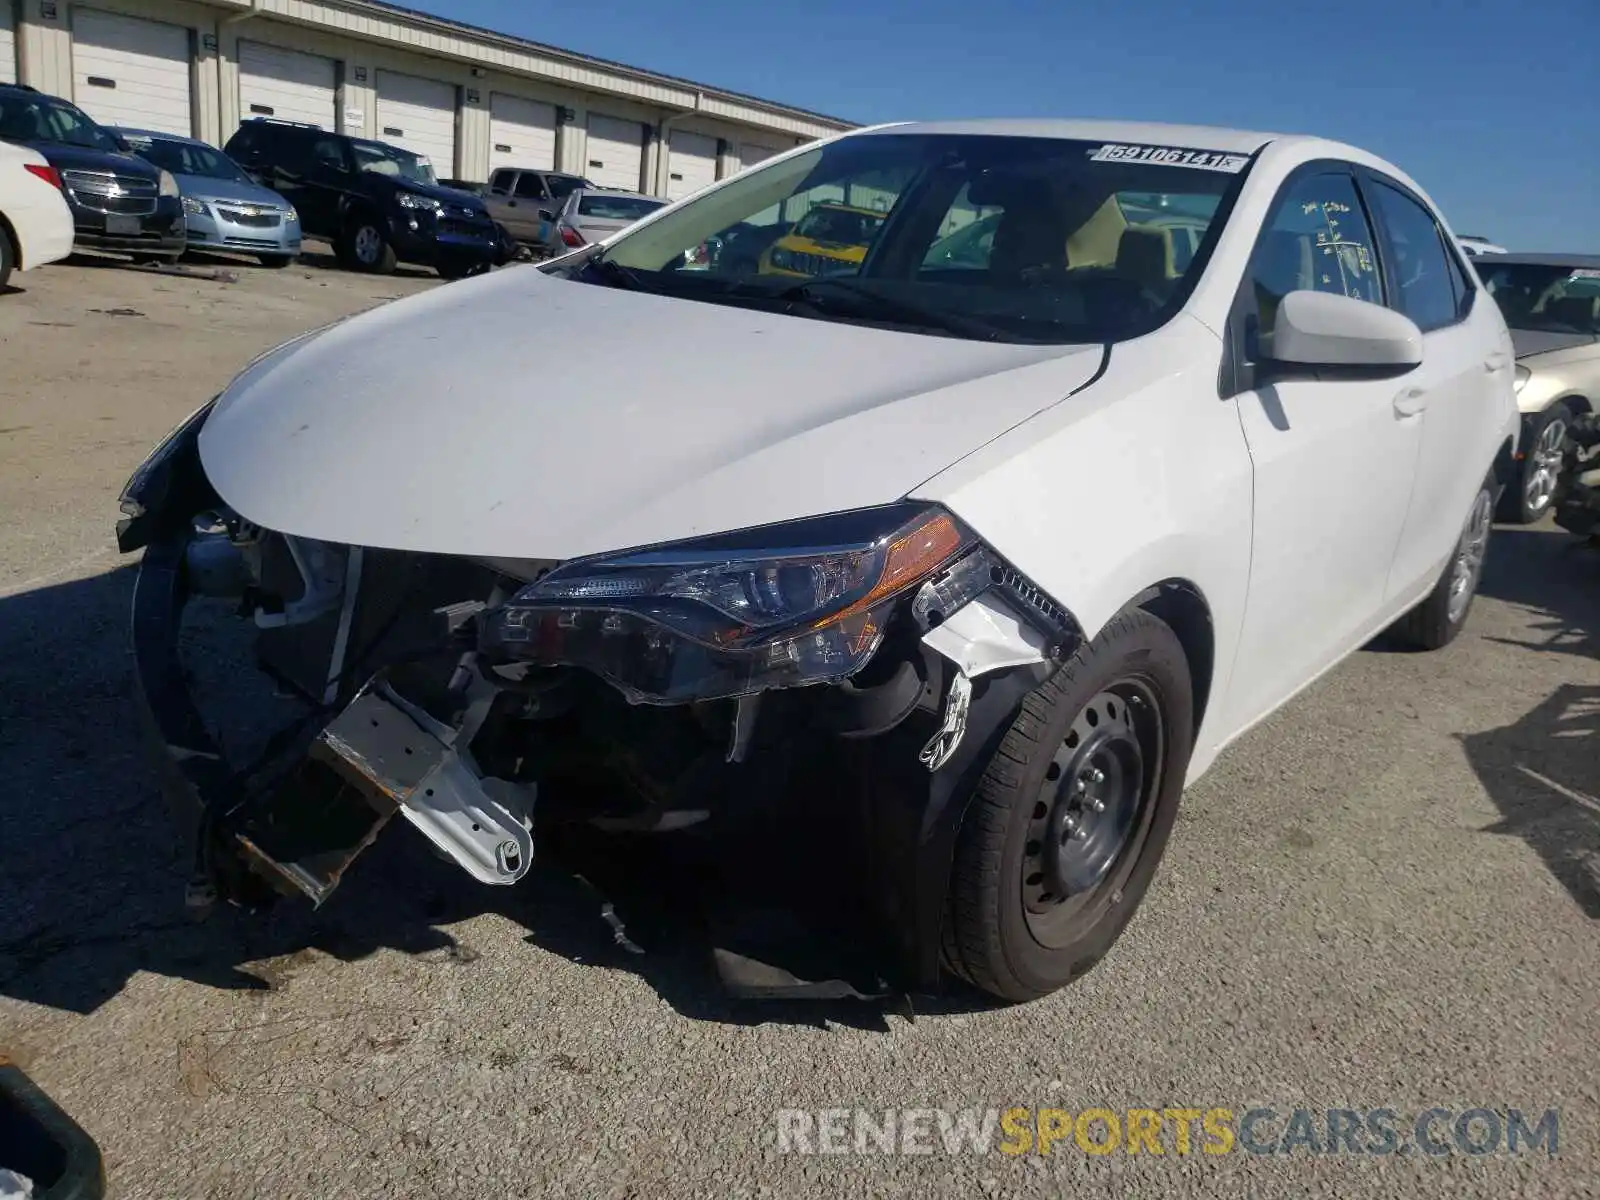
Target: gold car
(831,239)
(1551,303)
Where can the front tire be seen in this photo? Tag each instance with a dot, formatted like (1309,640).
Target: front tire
(1437,621)
(1072,814)
(1536,483)
(363,246)
(275,262)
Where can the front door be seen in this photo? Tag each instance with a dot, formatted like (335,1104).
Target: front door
(1459,389)
(1333,459)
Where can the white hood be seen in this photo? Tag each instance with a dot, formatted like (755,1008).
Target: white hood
(523,416)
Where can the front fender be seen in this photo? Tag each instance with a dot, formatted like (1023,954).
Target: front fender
(1142,478)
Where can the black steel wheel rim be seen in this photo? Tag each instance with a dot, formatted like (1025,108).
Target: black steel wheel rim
(1093,806)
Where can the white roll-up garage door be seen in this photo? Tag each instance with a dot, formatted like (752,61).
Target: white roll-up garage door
(691,162)
(288,85)
(615,157)
(750,153)
(419,115)
(129,71)
(522,133)
(8,44)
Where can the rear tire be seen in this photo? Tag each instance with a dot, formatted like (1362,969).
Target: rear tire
(1440,617)
(363,246)
(1072,814)
(1530,494)
(7,257)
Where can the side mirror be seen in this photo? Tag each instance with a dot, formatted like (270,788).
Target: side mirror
(546,215)
(122,143)
(1330,332)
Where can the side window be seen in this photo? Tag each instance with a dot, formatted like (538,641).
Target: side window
(243,143)
(1317,239)
(500,182)
(530,187)
(1425,288)
(329,153)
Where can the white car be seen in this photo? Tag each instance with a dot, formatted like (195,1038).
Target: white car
(975,560)
(1479,245)
(35,222)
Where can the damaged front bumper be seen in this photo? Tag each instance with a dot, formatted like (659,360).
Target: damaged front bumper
(1576,502)
(401,718)
(299,829)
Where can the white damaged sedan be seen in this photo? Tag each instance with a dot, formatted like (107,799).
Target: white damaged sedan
(975,517)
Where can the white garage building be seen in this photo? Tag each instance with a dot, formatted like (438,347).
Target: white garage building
(470,99)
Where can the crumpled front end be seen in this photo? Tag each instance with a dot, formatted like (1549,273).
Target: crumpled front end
(855,668)
(1576,502)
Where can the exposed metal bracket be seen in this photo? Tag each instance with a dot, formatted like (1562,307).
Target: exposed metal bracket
(744,724)
(484,825)
(948,736)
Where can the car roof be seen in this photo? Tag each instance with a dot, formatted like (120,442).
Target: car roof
(1580,261)
(1187,137)
(126,130)
(614,192)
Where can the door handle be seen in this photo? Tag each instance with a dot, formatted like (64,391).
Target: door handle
(1496,361)
(1411,401)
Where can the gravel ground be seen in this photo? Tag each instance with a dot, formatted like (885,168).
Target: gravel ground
(1386,896)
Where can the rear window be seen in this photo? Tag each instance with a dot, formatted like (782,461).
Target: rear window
(617,208)
(1548,298)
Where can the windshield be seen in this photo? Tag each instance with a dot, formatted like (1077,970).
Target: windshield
(1002,238)
(185,158)
(1552,299)
(617,208)
(42,119)
(383,159)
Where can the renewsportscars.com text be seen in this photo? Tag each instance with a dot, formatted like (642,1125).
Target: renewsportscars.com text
(1179,1131)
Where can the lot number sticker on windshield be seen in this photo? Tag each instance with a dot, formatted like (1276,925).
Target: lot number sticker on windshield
(1170,156)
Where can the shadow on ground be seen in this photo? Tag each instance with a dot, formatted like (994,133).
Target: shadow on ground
(91,892)
(1543,771)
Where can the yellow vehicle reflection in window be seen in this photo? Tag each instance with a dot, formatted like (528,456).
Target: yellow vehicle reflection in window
(831,239)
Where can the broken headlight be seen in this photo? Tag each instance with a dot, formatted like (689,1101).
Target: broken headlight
(780,606)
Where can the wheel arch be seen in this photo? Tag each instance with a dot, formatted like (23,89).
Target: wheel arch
(1505,463)
(8,232)
(1182,606)
(353,207)
(1577,405)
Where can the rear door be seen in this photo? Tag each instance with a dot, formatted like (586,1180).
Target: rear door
(1333,459)
(313,172)
(1459,391)
(523,206)
(497,195)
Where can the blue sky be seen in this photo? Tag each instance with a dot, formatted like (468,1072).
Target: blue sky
(1494,107)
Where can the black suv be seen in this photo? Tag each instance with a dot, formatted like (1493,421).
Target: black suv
(118,200)
(377,204)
